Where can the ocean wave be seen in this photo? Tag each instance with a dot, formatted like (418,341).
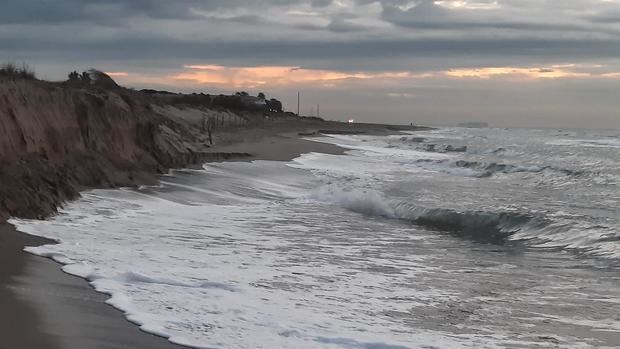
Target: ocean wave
(502,227)
(421,143)
(597,143)
(443,148)
(488,169)
(489,227)
(412,139)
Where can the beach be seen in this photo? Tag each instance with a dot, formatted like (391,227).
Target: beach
(173,221)
(309,174)
(44,307)
(405,241)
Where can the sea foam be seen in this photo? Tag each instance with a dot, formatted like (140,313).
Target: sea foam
(352,252)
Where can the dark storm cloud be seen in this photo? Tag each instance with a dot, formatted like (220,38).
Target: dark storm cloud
(45,11)
(433,53)
(321,3)
(339,24)
(156,38)
(427,14)
(523,34)
(604,18)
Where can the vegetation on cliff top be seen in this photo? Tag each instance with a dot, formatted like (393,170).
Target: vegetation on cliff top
(240,101)
(13,71)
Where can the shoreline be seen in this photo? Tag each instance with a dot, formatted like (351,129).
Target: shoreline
(19,321)
(53,309)
(43,307)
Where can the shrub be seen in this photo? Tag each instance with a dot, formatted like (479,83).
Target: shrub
(11,70)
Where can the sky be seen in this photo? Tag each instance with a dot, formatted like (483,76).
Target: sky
(511,63)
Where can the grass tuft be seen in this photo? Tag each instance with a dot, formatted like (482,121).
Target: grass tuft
(13,71)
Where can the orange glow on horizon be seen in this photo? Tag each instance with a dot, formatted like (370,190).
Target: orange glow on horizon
(258,76)
(528,73)
(273,75)
(205,67)
(611,75)
(117,74)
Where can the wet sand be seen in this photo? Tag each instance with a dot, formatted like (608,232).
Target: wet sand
(285,140)
(42,307)
(19,324)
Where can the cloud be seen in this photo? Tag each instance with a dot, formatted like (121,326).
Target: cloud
(117,74)
(251,77)
(343,25)
(206,76)
(471,15)
(58,11)
(400,95)
(378,48)
(340,35)
(528,73)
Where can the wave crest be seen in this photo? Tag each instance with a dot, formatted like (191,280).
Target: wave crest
(497,228)
(490,227)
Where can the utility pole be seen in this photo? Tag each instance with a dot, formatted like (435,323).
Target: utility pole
(298,98)
(318,112)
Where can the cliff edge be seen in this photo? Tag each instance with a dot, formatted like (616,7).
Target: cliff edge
(57,139)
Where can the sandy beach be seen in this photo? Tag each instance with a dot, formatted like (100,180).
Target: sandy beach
(44,307)
(256,174)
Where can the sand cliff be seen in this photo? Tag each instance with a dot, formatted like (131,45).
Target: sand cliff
(56,140)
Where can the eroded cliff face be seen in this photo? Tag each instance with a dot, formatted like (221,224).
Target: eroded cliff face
(57,140)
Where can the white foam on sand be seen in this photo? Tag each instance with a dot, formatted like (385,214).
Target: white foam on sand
(241,274)
(298,255)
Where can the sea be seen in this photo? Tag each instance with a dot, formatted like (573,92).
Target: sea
(445,238)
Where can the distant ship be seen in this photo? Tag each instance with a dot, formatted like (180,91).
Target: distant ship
(474,124)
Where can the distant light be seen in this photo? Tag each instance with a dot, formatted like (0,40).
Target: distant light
(351,121)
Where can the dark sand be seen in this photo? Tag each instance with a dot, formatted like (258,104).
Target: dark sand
(284,140)
(42,307)
(280,147)
(19,326)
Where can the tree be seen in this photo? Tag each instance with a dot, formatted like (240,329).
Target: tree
(73,76)
(261,96)
(85,77)
(274,105)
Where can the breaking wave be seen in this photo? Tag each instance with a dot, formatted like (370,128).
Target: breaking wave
(481,226)
(498,228)
(421,143)
(489,169)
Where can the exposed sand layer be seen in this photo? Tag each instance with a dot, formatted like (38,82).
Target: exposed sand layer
(56,141)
